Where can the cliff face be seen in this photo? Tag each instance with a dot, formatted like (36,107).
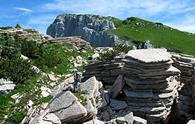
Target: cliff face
(90,27)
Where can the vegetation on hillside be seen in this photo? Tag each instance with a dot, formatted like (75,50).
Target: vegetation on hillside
(109,54)
(48,57)
(139,30)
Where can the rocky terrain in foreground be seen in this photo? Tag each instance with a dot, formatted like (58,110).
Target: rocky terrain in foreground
(63,80)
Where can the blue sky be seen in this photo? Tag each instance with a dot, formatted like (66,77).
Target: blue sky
(39,14)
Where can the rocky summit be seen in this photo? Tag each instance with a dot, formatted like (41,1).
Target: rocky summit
(92,28)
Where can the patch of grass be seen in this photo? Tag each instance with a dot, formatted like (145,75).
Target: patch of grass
(139,30)
(107,54)
(16,117)
(81,98)
(43,100)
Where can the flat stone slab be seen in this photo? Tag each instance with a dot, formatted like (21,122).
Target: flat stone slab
(62,101)
(141,94)
(150,73)
(150,55)
(72,113)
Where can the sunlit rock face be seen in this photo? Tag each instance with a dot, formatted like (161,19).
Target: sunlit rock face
(92,28)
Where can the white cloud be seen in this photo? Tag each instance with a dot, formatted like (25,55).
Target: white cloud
(187,23)
(40,22)
(172,12)
(122,7)
(25,10)
(45,19)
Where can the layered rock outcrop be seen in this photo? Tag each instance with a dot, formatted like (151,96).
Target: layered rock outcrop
(105,71)
(76,42)
(184,104)
(151,83)
(92,28)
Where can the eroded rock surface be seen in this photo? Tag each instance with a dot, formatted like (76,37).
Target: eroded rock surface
(92,28)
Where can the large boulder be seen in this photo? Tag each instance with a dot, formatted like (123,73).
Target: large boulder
(91,88)
(67,108)
(72,114)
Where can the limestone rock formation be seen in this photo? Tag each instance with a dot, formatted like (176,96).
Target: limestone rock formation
(77,42)
(184,104)
(105,71)
(92,28)
(151,83)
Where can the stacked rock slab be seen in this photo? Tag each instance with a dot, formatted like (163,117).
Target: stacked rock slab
(151,84)
(184,105)
(104,71)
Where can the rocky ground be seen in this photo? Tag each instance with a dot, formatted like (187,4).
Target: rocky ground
(140,86)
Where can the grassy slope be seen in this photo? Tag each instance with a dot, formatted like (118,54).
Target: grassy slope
(40,56)
(136,29)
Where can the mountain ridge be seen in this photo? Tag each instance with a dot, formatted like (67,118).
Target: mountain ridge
(133,29)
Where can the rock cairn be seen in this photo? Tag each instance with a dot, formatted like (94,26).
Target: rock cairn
(184,106)
(105,71)
(151,84)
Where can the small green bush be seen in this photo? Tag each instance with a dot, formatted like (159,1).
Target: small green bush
(107,54)
(13,67)
(6,27)
(18,26)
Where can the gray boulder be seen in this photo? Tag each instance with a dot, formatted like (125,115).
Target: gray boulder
(91,88)
(62,101)
(73,113)
(67,108)
(117,86)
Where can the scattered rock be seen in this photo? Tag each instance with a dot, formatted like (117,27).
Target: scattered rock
(138,120)
(24,57)
(104,100)
(91,88)
(52,118)
(53,77)
(45,91)
(36,69)
(117,105)
(94,121)
(6,85)
(117,86)
(129,118)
